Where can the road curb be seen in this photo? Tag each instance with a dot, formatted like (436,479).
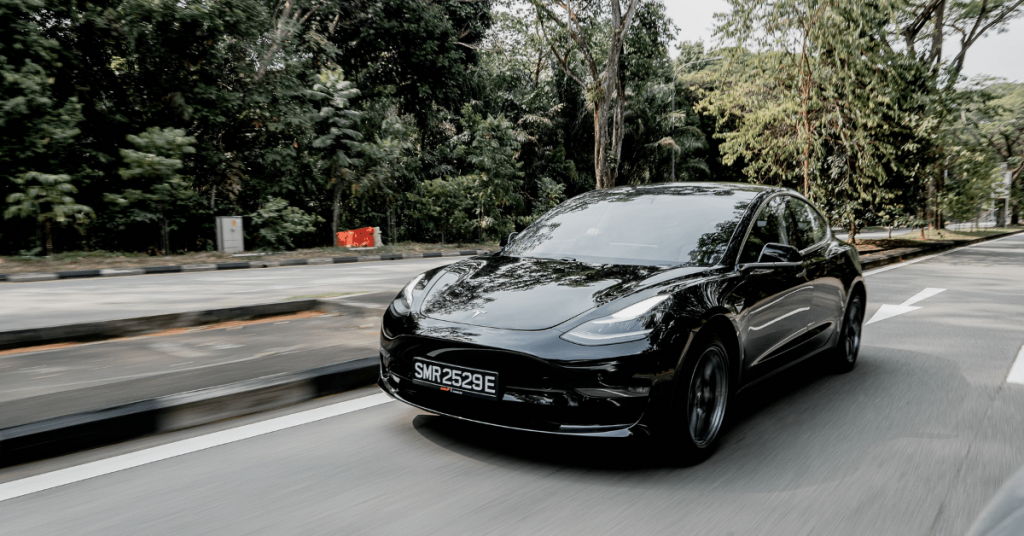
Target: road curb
(904,254)
(28,277)
(111,329)
(62,435)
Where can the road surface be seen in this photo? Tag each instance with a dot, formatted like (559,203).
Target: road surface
(53,303)
(914,441)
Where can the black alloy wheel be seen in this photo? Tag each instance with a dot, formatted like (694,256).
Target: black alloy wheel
(848,346)
(701,397)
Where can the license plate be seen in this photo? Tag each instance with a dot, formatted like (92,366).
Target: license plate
(455,380)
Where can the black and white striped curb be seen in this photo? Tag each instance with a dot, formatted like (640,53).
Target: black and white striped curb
(173,269)
(61,435)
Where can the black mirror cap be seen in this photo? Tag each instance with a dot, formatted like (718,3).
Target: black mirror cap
(508,239)
(773,252)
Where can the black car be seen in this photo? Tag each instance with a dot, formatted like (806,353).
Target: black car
(628,311)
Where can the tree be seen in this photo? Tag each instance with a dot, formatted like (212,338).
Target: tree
(489,146)
(278,224)
(995,120)
(824,103)
(446,206)
(932,21)
(601,82)
(340,140)
(38,128)
(46,197)
(390,164)
(152,171)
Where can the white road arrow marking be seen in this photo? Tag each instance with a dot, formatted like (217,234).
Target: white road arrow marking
(889,311)
(1016,374)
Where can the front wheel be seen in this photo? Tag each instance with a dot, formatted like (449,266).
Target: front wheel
(701,397)
(845,355)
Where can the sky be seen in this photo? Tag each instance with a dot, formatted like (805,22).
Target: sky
(999,55)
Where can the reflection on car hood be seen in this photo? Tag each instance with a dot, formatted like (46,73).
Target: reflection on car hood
(531,294)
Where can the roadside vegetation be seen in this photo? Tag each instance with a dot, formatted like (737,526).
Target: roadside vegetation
(128,125)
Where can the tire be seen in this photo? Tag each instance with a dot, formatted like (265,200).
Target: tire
(844,357)
(700,398)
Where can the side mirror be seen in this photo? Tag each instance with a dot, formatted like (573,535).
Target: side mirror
(508,239)
(773,252)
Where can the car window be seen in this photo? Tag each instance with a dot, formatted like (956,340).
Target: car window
(806,227)
(680,225)
(769,227)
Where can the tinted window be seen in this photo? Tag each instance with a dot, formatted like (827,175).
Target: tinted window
(806,226)
(769,227)
(676,225)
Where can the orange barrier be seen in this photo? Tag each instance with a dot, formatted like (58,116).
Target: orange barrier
(356,238)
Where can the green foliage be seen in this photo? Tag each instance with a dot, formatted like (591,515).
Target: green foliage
(446,207)
(473,117)
(278,224)
(340,140)
(825,105)
(489,146)
(47,198)
(155,189)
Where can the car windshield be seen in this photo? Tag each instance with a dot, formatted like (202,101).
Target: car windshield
(672,225)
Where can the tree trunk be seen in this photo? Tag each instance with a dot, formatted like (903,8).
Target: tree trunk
(336,207)
(935,56)
(164,233)
(940,221)
(49,240)
(601,171)
(391,224)
(853,230)
(1014,209)
(805,90)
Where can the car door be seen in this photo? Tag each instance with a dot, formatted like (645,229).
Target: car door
(809,234)
(775,301)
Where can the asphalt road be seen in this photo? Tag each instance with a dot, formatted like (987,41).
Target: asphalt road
(912,442)
(52,383)
(54,303)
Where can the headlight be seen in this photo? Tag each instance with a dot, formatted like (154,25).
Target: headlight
(403,303)
(630,324)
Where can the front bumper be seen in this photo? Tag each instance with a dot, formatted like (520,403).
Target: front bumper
(599,398)
(514,422)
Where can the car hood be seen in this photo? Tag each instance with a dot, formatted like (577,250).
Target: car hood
(531,294)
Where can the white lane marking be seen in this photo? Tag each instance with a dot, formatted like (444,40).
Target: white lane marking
(922,259)
(789,314)
(889,311)
(33,484)
(1016,374)
(924,294)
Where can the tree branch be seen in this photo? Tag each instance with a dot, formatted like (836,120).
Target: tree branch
(573,30)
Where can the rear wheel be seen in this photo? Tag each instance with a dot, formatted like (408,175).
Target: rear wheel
(845,355)
(700,400)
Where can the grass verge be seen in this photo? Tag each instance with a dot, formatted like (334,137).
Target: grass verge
(918,238)
(93,260)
